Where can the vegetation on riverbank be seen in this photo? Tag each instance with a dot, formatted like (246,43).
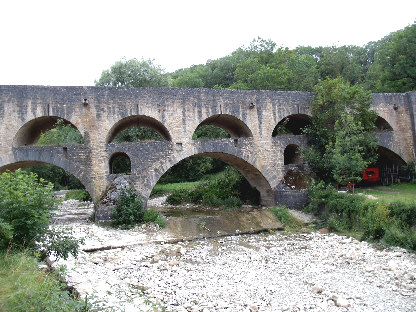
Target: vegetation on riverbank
(392,223)
(25,288)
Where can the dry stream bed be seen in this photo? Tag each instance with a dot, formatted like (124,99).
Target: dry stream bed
(146,271)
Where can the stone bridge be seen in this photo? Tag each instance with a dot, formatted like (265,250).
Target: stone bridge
(100,113)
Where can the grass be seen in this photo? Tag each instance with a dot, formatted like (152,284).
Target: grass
(162,189)
(392,193)
(23,287)
(283,215)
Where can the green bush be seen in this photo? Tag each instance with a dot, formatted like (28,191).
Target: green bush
(24,288)
(25,213)
(325,201)
(404,213)
(129,211)
(398,236)
(152,215)
(392,223)
(178,197)
(81,195)
(25,205)
(375,221)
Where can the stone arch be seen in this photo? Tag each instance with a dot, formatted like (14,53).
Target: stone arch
(30,163)
(291,155)
(382,124)
(389,157)
(253,175)
(138,120)
(234,126)
(120,159)
(293,124)
(31,131)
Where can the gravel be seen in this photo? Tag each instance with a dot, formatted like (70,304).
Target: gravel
(265,272)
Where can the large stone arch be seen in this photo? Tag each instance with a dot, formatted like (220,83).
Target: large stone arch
(253,175)
(29,133)
(35,162)
(138,120)
(233,125)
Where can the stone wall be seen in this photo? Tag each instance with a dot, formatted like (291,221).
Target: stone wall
(99,112)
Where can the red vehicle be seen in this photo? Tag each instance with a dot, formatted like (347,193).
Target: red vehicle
(371,175)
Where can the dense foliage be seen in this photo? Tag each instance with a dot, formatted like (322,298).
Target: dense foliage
(61,134)
(341,140)
(133,73)
(392,223)
(229,189)
(25,213)
(129,211)
(388,65)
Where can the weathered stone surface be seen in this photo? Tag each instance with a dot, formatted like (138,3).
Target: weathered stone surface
(99,113)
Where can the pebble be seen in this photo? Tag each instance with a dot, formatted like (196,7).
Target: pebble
(263,272)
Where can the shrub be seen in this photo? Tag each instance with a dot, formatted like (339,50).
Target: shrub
(178,197)
(25,212)
(129,209)
(25,205)
(375,221)
(404,213)
(325,201)
(152,215)
(81,195)
(397,236)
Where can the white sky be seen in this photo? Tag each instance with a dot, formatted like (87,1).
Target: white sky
(67,43)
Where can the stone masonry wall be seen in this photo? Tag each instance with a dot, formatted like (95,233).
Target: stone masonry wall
(99,111)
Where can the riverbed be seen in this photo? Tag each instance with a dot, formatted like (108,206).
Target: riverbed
(278,271)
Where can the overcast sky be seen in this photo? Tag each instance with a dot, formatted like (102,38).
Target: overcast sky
(69,43)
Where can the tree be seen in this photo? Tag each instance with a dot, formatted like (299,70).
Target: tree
(134,73)
(61,134)
(332,100)
(347,152)
(394,67)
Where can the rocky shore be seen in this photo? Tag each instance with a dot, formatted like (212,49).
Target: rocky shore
(262,272)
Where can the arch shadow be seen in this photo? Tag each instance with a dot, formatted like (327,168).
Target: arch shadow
(292,124)
(382,124)
(31,131)
(139,121)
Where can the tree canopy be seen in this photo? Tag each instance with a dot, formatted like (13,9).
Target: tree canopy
(133,73)
(341,133)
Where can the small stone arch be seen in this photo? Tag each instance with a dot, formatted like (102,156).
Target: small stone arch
(120,163)
(382,124)
(291,155)
(292,124)
(31,131)
(234,126)
(138,120)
